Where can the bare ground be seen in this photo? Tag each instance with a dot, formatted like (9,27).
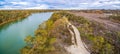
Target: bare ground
(79,47)
(100,18)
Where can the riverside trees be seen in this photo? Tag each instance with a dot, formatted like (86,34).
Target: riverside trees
(7,16)
(12,15)
(42,42)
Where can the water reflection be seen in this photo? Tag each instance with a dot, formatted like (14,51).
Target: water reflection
(5,26)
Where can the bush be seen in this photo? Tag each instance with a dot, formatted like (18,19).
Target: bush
(116,18)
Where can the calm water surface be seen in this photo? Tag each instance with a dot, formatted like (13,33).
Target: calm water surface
(12,35)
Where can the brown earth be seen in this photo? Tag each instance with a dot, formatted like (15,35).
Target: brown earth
(100,18)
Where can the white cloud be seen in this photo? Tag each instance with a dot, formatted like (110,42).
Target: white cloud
(102,4)
(112,2)
(116,6)
(58,4)
(40,6)
(84,3)
(20,3)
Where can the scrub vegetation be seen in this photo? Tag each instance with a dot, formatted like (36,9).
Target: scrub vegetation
(92,33)
(115,18)
(53,34)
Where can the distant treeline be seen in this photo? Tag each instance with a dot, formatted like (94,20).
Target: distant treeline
(98,11)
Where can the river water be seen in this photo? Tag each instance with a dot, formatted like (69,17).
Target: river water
(12,35)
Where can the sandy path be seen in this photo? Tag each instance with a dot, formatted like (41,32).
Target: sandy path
(78,47)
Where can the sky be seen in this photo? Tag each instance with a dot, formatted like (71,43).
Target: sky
(59,4)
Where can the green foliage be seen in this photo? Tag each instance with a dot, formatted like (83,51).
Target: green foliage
(101,46)
(115,18)
(52,40)
(118,33)
(28,39)
(55,17)
(42,42)
(49,25)
(98,43)
(8,16)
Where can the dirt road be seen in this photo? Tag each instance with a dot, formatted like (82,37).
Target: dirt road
(78,47)
(97,18)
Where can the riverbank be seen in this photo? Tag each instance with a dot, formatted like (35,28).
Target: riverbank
(7,16)
(14,19)
(13,15)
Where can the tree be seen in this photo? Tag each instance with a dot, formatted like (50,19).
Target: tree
(42,42)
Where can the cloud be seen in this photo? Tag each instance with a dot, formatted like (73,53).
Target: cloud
(102,4)
(39,6)
(61,4)
(20,3)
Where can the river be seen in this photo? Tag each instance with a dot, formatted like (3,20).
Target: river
(12,35)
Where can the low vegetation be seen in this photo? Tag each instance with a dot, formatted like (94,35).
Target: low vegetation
(52,35)
(115,18)
(92,33)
